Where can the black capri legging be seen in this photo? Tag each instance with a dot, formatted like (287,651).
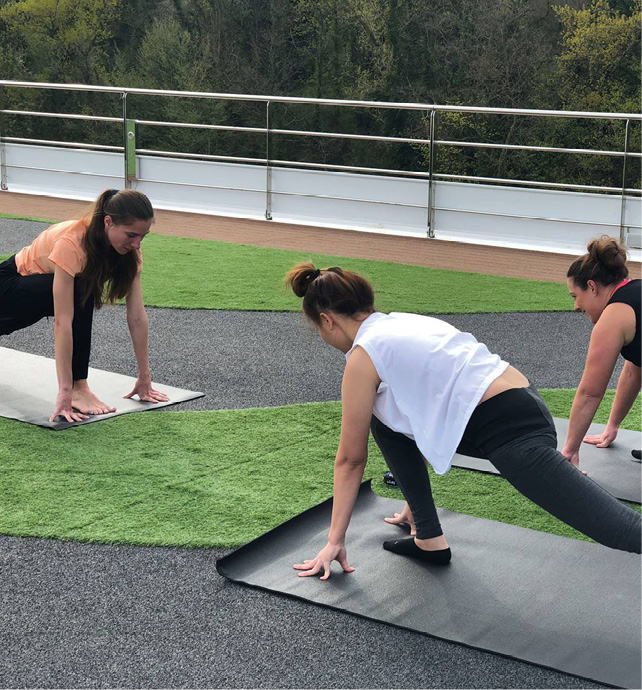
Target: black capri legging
(515,431)
(24,300)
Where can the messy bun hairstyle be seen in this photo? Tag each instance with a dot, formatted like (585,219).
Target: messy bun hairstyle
(604,263)
(330,289)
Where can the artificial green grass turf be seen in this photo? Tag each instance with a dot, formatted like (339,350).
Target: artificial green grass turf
(35,220)
(215,479)
(204,274)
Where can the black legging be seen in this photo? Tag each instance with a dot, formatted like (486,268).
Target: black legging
(515,431)
(27,299)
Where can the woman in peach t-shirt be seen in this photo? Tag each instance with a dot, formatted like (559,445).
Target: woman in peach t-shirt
(70,269)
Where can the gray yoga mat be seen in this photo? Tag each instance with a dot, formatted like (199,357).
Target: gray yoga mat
(28,390)
(613,468)
(561,603)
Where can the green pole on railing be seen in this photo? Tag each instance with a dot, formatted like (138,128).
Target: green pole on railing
(268,169)
(130,151)
(129,145)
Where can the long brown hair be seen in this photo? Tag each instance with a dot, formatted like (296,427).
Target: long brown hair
(330,289)
(108,274)
(604,263)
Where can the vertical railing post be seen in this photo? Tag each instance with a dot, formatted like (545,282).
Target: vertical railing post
(129,145)
(624,167)
(268,169)
(3,150)
(430,231)
(130,154)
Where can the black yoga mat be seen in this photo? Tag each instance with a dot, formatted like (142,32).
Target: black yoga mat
(613,468)
(28,389)
(561,603)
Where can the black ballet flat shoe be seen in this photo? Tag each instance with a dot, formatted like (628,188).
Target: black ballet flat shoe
(389,479)
(637,455)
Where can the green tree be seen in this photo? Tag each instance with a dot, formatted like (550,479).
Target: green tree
(598,67)
(63,40)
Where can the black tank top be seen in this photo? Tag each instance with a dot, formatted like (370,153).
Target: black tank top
(630,294)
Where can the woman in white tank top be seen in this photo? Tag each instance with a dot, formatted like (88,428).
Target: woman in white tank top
(426,389)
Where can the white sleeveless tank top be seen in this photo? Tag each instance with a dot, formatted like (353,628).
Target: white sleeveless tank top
(432,378)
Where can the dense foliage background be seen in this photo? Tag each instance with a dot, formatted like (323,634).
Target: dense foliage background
(575,55)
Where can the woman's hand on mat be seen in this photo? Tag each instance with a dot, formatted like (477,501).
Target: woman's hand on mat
(404,518)
(604,439)
(329,553)
(143,389)
(65,409)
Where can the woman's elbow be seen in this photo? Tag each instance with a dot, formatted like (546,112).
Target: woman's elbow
(62,323)
(137,318)
(351,461)
(591,393)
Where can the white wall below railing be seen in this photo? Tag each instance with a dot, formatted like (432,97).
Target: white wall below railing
(540,219)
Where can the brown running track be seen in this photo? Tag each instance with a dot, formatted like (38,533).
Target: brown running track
(458,256)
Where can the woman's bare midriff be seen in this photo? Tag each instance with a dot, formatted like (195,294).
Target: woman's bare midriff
(511,378)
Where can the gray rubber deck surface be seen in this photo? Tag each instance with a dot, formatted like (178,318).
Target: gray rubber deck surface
(579,613)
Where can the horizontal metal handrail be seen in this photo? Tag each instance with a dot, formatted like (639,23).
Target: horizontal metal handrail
(328,135)
(199,156)
(545,149)
(48,142)
(325,166)
(63,116)
(228,128)
(57,170)
(321,101)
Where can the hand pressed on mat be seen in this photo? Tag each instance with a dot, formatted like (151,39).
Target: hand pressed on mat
(324,558)
(143,389)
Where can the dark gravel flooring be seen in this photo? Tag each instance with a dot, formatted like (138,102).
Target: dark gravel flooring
(79,615)
(16,234)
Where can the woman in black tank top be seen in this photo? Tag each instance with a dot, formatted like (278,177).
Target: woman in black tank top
(598,282)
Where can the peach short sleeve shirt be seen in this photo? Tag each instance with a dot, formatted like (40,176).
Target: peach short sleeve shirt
(60,245)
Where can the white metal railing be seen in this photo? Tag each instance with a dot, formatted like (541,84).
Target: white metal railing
(130,152)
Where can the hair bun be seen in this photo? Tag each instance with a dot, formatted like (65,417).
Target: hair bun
(604,263)
(607,251)
(300,278)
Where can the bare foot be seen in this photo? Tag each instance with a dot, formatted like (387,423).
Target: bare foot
(83,400)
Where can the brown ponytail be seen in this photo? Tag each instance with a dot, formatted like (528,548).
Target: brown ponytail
(330,289)
(108,274)
(604,263)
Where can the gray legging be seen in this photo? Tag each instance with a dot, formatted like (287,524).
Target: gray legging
(515,431)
